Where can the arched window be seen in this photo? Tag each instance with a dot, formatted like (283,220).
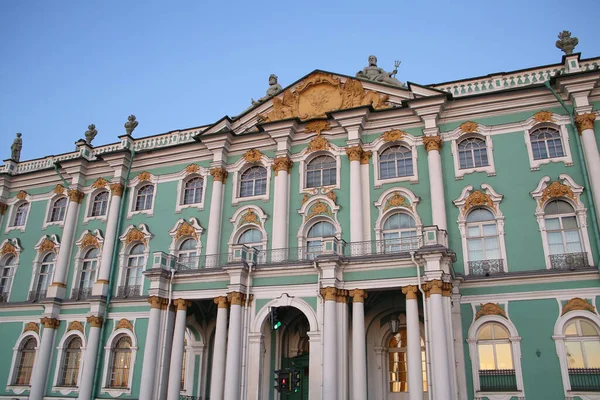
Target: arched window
(71,361)
(395,161)
(582,345)
(20,216)
(88,275)
(44,277)
(321,171)
(187,254)
(6,273)
(399,233)
(136,260)
(496,367)
(482,243)
(564,238)
(472,153)
(192,193)
(25,358)
(99,204)
(251,238)
(546,143)
(120,364)
(253,182)
(398,364)
(143,200)
(317,232)
(58,210)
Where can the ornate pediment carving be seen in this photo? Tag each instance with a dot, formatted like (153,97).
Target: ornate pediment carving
(478,198)
(490,309)
(556,189)
(577,303)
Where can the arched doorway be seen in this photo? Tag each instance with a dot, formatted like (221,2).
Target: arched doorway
(295,349)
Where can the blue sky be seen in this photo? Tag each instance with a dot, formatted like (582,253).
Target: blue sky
(179,64)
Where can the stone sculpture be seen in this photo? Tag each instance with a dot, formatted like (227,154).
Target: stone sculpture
(566,43)
(373,73)
(15,148)
(91,133)
(130,124)
(273,89)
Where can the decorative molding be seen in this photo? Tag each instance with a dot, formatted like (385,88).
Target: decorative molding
(75,326)
(585,121)
(329,293)
(577,303)
(366,156)
(393,135)
(432,142)
(192,169)
(249,217)
(144,176)
(95,322)
(9,248)
(50,323)
(252,155)
(318,143)
(331,195)
(59,189)
(185,229)
(478,198)
(282,164)
(47,245)
(490,309)
(75,195)
(358,295)
(22,195)
(219,174)
(221,302)
(433,287)
(136,234)
(124,323)
(543,116)
(397,200)
(317,126)
(469,127)
(89,240)
(410,292)
(99,183)
(556,189)
(236,298)
(116,189)
(354,153)
(32,327)
(317,209)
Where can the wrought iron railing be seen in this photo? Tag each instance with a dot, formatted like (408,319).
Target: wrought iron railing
(186,397)
(486,267)
(568,261)
(129,291)
(81,293)
(4,297)
(36,295)
(382,247)
(585,379)
(497,380)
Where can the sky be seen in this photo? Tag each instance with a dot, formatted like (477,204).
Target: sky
(65,64)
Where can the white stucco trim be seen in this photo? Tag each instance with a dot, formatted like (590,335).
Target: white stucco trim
(239,228)
(176,242)
(18,389)
(65,390)
(378,145)
(90,194)
(134,186)
(457,136)
(108,350)
(238,168)
(183,178)
(531,125)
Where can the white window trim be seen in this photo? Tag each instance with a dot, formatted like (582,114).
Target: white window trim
(108,351)
(578,207)
(13,204)
(18,249)
(380,145)
(65,390)
(515,341)
(559,340)
(176,242)
(126,249)
(39,257)
(81,252)
(307,223)
(239,227)
(496,212)
(90,194)
(49,205)
(19,389)
(561,125)
(457,136)
(135,185)
(410,209)
(183,178)
(238,168)
(305,157)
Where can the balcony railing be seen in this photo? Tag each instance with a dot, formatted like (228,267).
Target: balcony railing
(81,293)
(124,292)
(569,261)
(186,397)
(486,267)
(497,380)
(36,295)
(585,379)
(4,297)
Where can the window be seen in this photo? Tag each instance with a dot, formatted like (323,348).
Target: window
(562,228)
(472,153)
(20,216)
(71,362)
(44,277)
(135,266)
(6,273)
(99,204)
(143,200)
(398,364)
(193,191)
(496,368)
(253,182)
(120,363)
(25,358)
(582,344)
(546,143)
(482,243)
(321,171)
(251,238)
(187,254)
(58,210)
(88,274)
(315,237)
(399,233)
(395,162)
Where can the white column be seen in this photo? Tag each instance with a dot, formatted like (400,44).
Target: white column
(585,125)
(356,203)
(217,379)
(166,341)
(177,350)
(40,374)
(436,182)
(413,350)
(315,375)
(441,374)
(214,218)
(359,347)
(90,358)
(330,367)
(64,255)
(281,166)
(366,183)
(342,317)
(109,239)
(149,367)
(255,365)
(234,348)
(447,303)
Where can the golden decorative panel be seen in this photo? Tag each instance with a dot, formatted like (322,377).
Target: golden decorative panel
(135,235)
(31,327)
(75,195)
(490,309)
(320,93)
(99,183)
(253,155)
(250,217)
(543,116)
(318,143)
(317,209)
(8,248)
(59,189)
(577,303)
(192,168)
(75,326)
(47,245)
(556,189)
(478,198)
(396,200)
(185,229)
(124,324)
(317,126)
(468,127)
(305,198)
(144,176)
(585,121)
(432,142)
(22,195)
(393,135)
(90,241)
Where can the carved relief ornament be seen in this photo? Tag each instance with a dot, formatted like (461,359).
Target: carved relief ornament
(478,198)
(185,229)
(50,323)
(585,121)
(75,195)
(397,200)
(358,295)
(432,142)
(317,126)
(317,144)
(329,293)
(95,322)
(75,326)
(90,241)
(318,208)
(22,195)
(8,248)
(135,235)
(543,116)
(192,168)
(253,155)
(433,287)
(469,127)
(556,189)
(219,174)
(250,217)
(124,324)
(144,176)
(236,298)
(282,164)
(490,309)
(99,183)
(47,245)
(393,135)
(31,327)
(366,156)
(577,303)
(354,153)
(410,292)
(59,189)
(117,189)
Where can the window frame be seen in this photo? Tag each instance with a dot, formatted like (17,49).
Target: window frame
(8,278)
(395,161)
(90,195)
(61,358)
(177,237)
(413,244)
(560,127)
(134,187)
(11,381)
(125,253)
(14,209)
(303,168)
(379,146)
(183,178)
(484,134)
(108,359)
(53,207)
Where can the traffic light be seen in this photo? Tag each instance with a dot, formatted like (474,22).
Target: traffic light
(283,381)
(296,380)
(275,322)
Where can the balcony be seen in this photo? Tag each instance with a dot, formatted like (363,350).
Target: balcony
(81,293)
(486,267)
(36,295)
(569,261)
(585,379)
(124,292)
(497,380)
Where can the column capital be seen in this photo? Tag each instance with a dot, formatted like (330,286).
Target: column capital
(219,174)
(158,302)
(329,293)
(182,304)
(365,157)
(221,302)
(282,163)
(354,153)
(75,195)
(447,289)
(50,323)
(585,121)
(342,296)
(433,287)
(358,295)
(236,298)
(3,207)
(432,142)
(116,189)
(95,322)
(410,291)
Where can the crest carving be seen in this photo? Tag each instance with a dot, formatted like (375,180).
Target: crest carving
(319,94)
(253,155)
(556,189)
(250,217)
(8,248)
(396,200)
(186,230)
(59,189)
(99,183)
(468,127)
(90,241)
(393,135)
(490,309)
(32,327)
(192,168)
(22,195)
(75,326)
(124,324)
(478,198)
(135,235)
(577,303)
(317,126)
(543,116)
(305,198)
(331,195)
(318,143)
(47,245)
(318,209)
(144,176)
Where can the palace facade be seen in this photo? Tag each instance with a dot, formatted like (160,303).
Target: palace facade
(385,240)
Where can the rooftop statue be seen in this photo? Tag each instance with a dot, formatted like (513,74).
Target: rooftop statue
(376,74)
(15,148)
(273,89)
(566,43)
(130,124)
(91,133)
